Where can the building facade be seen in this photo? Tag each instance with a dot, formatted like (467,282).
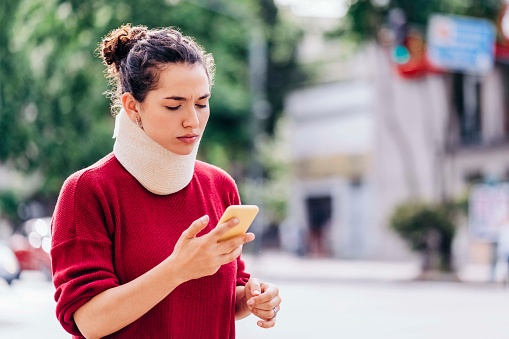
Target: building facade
(371,139)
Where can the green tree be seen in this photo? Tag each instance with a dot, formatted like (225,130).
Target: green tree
(13,77)
(429,230)
(365,17)
(54,118)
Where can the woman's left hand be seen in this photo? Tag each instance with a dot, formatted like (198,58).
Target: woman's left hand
(263,301)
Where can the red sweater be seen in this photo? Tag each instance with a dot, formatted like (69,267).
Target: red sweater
(108,229)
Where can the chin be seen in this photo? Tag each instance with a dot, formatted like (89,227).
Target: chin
(181,150)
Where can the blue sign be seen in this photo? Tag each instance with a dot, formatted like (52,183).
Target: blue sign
(461,44)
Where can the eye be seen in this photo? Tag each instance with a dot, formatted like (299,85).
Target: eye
(172,108)
(201,106)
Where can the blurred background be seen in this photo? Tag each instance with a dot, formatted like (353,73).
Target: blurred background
(373,134)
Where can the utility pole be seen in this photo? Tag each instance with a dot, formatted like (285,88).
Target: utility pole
(260,110)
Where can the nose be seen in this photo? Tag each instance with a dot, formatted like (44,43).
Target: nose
(191,118)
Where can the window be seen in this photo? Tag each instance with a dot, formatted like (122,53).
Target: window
(319,212)
(467,101)
(474,177)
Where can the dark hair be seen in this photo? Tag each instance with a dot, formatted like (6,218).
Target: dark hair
(134,57)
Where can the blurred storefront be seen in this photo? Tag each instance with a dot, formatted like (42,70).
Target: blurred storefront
(331,138)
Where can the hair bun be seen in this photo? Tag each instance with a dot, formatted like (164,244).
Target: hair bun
(116,45)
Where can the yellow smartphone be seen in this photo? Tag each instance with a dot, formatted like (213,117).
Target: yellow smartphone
(245,214)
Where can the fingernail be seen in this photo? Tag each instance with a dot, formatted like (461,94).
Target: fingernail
(250,302)
(256,292)
(204,219)
(235,221)
(260,323)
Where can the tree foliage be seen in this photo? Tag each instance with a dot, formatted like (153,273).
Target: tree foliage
(428,230)
(53,116)
(365,17)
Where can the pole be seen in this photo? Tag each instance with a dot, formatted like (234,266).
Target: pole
(259,113)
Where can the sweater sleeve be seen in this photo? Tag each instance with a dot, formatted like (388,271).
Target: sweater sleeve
(82,251)
(242,275)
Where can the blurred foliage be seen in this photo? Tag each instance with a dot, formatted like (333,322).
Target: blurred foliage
(365,17)
(9,202)
(429,230)
(274,155)
(53,116)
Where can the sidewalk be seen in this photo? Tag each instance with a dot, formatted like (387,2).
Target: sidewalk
(275,265)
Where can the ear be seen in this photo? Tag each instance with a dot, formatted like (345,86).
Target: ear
(131,106)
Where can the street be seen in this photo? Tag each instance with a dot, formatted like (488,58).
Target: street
(386,311)
(315,308)
(27,309)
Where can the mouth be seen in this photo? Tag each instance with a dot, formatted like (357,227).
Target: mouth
(188,138)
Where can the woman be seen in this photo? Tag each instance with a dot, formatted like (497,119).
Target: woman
(135,250)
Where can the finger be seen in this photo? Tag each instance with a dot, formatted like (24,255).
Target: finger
(267,324)
(254,288)
(228,245)
(221,229)
(269,292)
(271,320)
(231,256)
(264,310)
(196,227)
(266,315)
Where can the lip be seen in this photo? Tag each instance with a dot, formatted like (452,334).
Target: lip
(188,138)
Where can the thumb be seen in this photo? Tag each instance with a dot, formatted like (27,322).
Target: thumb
(196,227)
(255,287)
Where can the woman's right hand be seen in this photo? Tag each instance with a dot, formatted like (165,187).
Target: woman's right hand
(201,256)
(193,257)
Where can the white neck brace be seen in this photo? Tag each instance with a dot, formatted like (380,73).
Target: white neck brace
(160,171)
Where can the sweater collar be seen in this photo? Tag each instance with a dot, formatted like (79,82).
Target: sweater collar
(157,169)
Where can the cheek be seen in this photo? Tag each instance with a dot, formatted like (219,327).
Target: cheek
(160,126)
(204,119)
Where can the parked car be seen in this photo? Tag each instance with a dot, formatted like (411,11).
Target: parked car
(9,265)
(31,244)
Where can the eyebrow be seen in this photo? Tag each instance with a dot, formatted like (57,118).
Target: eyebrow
(175,97)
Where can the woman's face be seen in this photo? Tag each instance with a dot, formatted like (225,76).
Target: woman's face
(175,114)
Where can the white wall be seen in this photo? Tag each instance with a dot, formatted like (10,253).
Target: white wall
(331,119)
(334,120)
(409,134)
